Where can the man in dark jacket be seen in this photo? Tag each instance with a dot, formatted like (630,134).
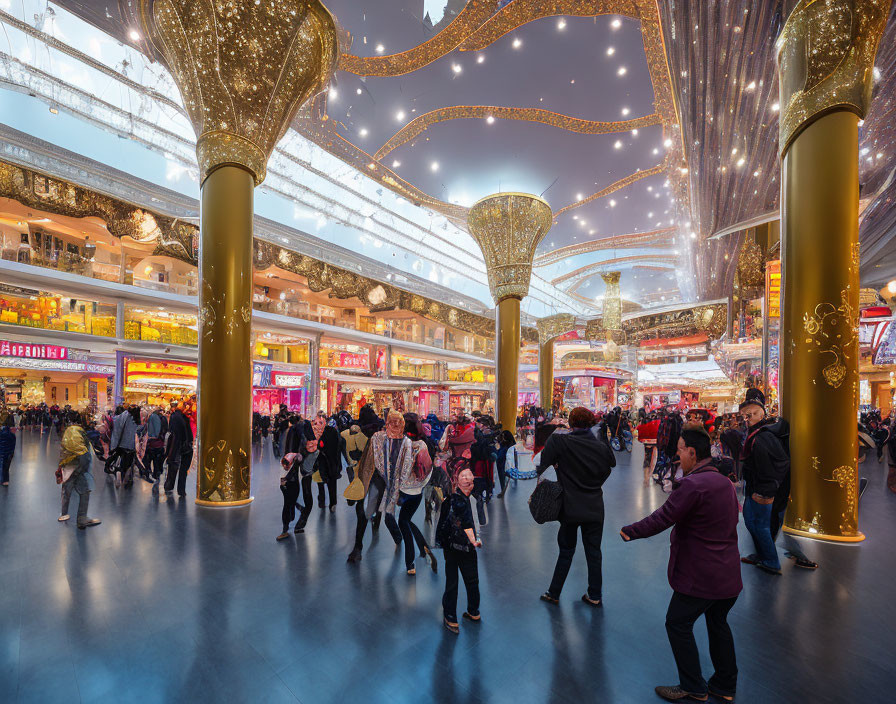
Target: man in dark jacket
(766,472)
(583,464)
(704,569)
(180,451)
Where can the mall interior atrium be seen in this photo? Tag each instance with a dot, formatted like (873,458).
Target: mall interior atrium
(311,310)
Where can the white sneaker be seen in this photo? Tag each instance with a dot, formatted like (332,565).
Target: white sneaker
(64,517)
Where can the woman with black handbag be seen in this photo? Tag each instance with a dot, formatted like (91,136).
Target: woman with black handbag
(583,464)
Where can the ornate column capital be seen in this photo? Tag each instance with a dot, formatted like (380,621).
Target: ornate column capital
(552,326)
(243,67)
(508,227)
(826,56)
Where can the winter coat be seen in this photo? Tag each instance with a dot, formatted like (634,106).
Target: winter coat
(7,442)
(704,560)
(766,461)
(583,464)
(180,437)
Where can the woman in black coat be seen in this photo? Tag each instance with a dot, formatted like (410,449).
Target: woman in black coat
(329,460)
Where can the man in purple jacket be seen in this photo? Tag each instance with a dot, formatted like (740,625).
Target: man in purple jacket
(704,569)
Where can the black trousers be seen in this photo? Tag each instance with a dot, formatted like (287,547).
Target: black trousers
(683,611)
(566,539)
(290,492)
(177,469)
(155,458)
(307,494)
(330,485)
(468,565)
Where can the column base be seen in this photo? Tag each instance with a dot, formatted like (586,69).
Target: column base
(858,538)
(224,504)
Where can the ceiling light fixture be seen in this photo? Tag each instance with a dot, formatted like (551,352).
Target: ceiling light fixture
(358,91)
(399,115)
(579,196)
(561,24)
(517,43)
(380,48)
(135,35)
(612,203)
(363,132)
(625,111)
(617,145)
(434,166)
(457,68)
(480,59)
(621,71)
(396,164)
(490,119)
(610,51)
(333,94)
(667,143)
(616,24)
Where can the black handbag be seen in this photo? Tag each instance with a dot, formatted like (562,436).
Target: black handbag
(546,501)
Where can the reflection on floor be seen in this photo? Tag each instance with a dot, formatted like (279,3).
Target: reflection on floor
(167,602)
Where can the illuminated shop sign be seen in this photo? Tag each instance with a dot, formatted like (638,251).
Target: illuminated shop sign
(288,379)
(57,365)
(29,351)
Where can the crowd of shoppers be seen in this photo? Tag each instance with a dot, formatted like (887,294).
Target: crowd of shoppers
(398,462)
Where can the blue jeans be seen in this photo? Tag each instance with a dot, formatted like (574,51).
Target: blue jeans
(758,519)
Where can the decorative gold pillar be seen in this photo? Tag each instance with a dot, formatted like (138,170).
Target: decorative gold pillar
(549,329)
(243,68)
(825,60)
(612,315)
(508,227)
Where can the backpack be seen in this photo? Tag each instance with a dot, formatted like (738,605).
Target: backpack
(449,534)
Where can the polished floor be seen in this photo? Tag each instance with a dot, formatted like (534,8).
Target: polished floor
(167,602)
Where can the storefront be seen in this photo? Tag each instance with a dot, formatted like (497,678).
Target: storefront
(31,374)
(155,382)
(32,308)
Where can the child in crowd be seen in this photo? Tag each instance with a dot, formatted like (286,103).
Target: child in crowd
(457,534)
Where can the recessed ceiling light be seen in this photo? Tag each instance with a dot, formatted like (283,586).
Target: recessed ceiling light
(135,35)
(667,143)
(396,164)
(358,91)
(480,59)
(561,24)
(399,115)
(434,166)
(333,94)
(621,71)
(612,203)
(363,132)
(616,24)
(457,68)
(517,43)
(625,111)
(610,51)
(490,119)
(617,145)
(579,196)
(635,132)
(775,107)
(380,48)
(656,151)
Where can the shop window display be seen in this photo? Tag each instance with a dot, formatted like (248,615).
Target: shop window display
(48,311)
(161,326)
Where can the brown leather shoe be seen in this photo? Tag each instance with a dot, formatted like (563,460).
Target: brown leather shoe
(677,694)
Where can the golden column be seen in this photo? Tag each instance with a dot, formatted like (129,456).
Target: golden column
(508,227)
(549,329)
(612,315)
(243,68)
(825,61)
